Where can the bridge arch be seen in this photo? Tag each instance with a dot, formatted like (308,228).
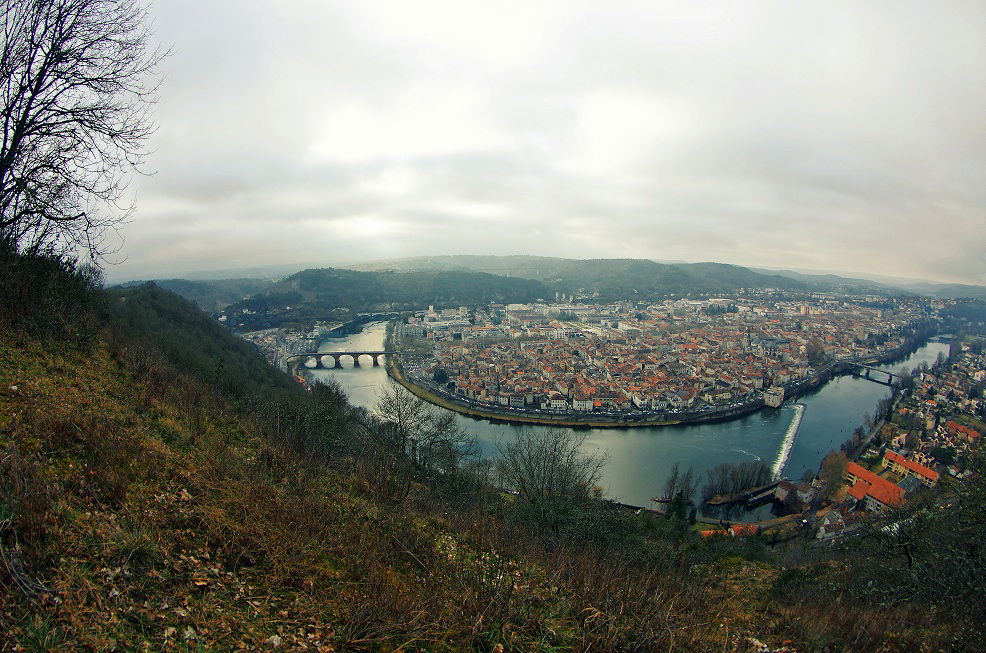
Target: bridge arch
(320,359)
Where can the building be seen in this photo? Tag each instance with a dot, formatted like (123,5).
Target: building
(905,467)
(582,403)
(774,396)
(875,493)
(964,432)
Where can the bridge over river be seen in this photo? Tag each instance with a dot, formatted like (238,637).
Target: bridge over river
(863,371)
(320,357)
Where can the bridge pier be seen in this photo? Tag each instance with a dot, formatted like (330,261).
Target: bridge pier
(321,358)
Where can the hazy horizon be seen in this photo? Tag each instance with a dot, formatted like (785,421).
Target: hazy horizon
(275,270)
(827,137)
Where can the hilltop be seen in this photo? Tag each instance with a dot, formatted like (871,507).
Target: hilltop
(610,278)
(397,284)
(315,294)
(408,284)
(211,295)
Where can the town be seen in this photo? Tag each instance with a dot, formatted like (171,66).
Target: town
(933,426)
(692,358)
(678,357)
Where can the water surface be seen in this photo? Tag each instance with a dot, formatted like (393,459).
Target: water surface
(639,459)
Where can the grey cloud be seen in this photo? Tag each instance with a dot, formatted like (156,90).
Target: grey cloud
(843,135)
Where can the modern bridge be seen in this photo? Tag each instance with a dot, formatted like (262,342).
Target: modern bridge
(320,356)
(863,371)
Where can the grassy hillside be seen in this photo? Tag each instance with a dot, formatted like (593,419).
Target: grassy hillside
(147,503)
(155,320)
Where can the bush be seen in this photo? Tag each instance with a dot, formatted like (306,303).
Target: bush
(50,297)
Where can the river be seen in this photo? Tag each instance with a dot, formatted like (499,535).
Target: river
(639,459)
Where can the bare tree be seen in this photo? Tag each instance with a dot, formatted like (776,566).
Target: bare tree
(549,462)
(427,435)
(555,480)
(75,96)
(671,483)
(680,484)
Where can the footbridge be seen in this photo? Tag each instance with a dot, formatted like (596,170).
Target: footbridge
(321,358)
(863,371)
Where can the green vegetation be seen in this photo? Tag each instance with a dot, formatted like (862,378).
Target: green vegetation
(49,297)
(150,500)
(154,319)
(612,279)
(215,295)
(929,553)
(314,294)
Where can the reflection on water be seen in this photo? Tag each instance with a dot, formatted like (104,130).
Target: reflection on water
(639,459)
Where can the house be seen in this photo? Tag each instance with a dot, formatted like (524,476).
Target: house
(874,493)
(557,402)
(834,524)
(968,434)
(582,403)
(744,530)
(831,525)
(905,467)
(910,484)
(736,530)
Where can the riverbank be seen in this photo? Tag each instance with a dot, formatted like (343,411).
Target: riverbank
(634,420)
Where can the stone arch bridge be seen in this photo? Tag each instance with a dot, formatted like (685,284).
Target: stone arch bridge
(320,358)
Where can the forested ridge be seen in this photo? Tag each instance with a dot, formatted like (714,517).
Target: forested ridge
(314,294)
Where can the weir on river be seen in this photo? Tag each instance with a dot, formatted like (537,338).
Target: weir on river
(788,442)
(640,458)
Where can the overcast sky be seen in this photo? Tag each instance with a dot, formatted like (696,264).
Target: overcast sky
(842,136)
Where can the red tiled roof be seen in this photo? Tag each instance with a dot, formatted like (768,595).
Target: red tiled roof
(959,429)
(858,491)
(744,530)
(868,483)
(915,467)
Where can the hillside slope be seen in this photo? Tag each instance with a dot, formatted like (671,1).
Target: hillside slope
(210,295)
(146,503)
(143,511)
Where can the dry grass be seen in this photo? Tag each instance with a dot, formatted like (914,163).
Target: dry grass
(152,515)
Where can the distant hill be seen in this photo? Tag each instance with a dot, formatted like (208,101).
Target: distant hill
(312,294)
(949,290)
(885,284)
(829,281)
(610,278)
(211,295)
